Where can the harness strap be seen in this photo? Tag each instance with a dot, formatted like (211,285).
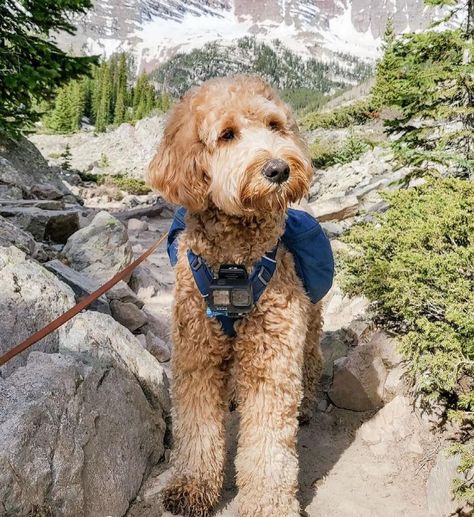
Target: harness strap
(261,275)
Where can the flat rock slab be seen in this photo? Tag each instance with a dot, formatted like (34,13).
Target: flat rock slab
(334,209)
(11,235)
(54,225)
(79,283)
(44,204)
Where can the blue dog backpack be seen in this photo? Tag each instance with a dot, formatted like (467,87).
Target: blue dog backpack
(303,237)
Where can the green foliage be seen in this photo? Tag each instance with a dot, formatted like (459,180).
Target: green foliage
(325,153)
(278,65)
(428,78)
(463,486)
(303,98)
(133,186)
(66,158)
(104,161)
(356,113)
(416,263)
(108,97)
(31,65)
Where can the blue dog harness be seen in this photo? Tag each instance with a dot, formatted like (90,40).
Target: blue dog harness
(303,237)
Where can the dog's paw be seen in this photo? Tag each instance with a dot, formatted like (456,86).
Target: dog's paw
(189,497)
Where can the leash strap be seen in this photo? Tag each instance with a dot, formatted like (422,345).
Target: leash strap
(84,303)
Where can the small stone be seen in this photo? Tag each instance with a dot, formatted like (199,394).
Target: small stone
(142,339)
(122,292)
(128,314)
(332,229)
(358,380)
(157,347)
(323,405)
(394,383)
(136,225)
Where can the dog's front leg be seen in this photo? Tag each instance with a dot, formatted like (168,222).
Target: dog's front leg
(269,376)
(199,407)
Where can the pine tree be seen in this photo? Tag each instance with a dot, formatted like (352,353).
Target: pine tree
(121,91)
(60,118)
(32,66)
(104,99)
(429,79)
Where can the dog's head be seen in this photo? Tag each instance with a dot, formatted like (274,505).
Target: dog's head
(234,143)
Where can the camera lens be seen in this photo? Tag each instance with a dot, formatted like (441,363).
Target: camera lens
(240,298)
(221,297)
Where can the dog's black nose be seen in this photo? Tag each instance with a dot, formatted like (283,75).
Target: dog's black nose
(276,171)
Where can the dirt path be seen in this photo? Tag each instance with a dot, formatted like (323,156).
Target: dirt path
(352,464)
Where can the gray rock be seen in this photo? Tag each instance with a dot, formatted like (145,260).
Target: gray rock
(128,314)
(74,438)
(55,225)
(101,249)
(23,166)
(394,383)
(136,225)
(124,293)
(337,208)
(334,345)
(97,338)
(10,192)
(358,380)
(30,298)
(11,235)
(79,283)
(386,348)
(438,486)
(332,229)
(157,347)
(44,204)
(46,191)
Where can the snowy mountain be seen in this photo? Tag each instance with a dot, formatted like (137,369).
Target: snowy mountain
(156,30)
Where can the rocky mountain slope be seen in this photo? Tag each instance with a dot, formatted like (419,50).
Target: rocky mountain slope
(155,30)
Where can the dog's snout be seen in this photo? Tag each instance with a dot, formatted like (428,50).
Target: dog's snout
(276,171)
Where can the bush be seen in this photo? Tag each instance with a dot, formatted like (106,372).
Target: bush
(133,186)
(325,153)
(416,263)
(355,114)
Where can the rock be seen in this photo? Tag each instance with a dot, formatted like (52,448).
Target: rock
(438,486)
(23,166)
(142,339)
(55,225)
(97,338)
(101,249)
(79,283)
(337,208)
(46,191)
(124,293)
(157,347)
(30,298)
(358,380)
(11,192)
(334,345)
(44,204)
(136,225)
(332,229)
(11,235)
(340,309)
(74,438)
(128,314)
(394,383)
(131,201)
(392,424)
(386,348)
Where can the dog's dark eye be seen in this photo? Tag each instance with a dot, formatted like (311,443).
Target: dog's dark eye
(274,125)
(227,134)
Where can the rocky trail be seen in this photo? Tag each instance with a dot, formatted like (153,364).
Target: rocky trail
(84,416)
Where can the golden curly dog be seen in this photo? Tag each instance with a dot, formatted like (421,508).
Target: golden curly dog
(233,156)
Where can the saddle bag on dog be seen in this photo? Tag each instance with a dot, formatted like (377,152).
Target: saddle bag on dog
(303,237)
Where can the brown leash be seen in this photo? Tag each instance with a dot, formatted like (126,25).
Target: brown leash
(85,302)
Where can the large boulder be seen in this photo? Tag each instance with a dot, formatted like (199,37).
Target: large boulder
(98,339)
(30,298)
(101,249)
(44,224)
(11,235)
(23,169)
(75,440)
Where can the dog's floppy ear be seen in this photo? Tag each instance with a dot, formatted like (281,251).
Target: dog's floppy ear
(177,170)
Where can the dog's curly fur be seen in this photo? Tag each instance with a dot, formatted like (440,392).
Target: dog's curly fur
(216,142)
